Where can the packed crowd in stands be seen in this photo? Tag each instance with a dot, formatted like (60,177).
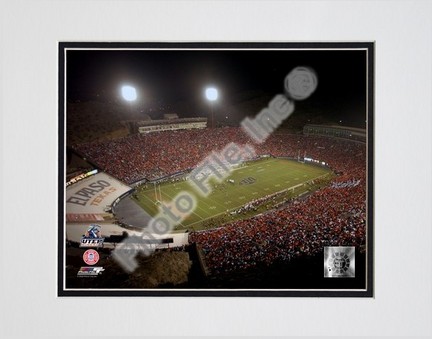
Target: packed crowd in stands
(159,154)
(332,216)
(329,217)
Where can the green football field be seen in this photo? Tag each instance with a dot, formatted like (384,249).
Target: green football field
(252,181)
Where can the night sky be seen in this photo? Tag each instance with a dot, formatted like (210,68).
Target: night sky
(170,77)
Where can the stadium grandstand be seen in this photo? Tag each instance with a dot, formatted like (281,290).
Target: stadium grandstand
(330,216)
(159,154)
(344,132)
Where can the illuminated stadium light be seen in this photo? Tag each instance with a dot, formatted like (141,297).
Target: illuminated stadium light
(211,94)
(129,93)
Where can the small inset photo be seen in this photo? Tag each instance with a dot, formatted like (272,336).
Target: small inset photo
(339,262)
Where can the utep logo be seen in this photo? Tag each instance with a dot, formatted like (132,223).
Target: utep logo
(93,237)
(90,271)
(91,257)
(339,262)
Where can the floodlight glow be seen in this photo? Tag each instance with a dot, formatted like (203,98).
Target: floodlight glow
(211,94)
(129,93)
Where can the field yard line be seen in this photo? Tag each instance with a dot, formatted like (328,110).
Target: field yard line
(171,199)
(151,201)
(253,165)
(250,190)
(199,208)
(214,201)
(246,190)
(268,182)
(201,201)
(285,189)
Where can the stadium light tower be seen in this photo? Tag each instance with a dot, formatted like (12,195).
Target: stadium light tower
(129,94)
(211,94)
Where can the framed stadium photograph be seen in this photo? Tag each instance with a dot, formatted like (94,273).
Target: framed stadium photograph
(240,169)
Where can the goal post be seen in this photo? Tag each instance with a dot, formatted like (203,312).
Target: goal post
(157,192)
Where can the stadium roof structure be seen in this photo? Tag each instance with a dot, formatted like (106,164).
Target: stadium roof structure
(345,128)
(346,132)
(169,121)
